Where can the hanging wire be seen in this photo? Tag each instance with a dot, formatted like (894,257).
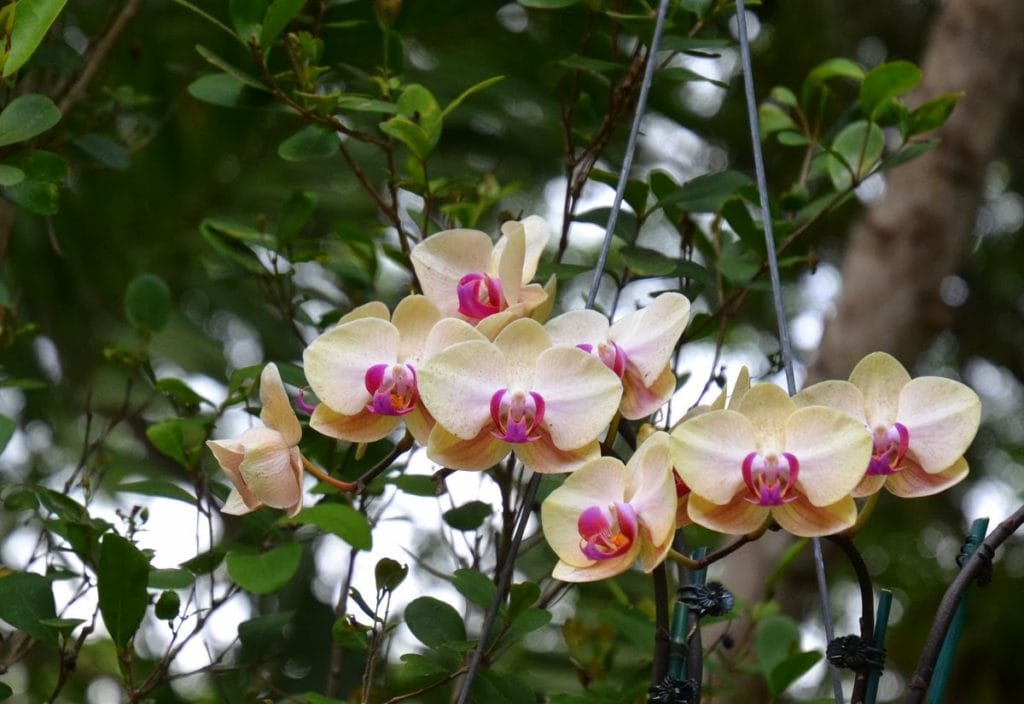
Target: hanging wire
(786,349)
(526,509)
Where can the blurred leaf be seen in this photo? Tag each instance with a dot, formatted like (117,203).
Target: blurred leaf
(265,572)
(204,562)
(38,197)
(482,85)
(418,124)
(147,303)
(832,68)
(279,15)
(775,638)
(501,688)
(156,487)
(648,262)
(350,635)
(121,581)
(25,600)
(860,145)
(434,622)
(789,138)
(631,623)
(547,4)
(339,519)
(416,484)
(32,20)
(167,606)
(738,263)
(246,17)
(40,165)
(783,96)
(908,153)
(388,574)
(5,692)
(63,626)
(790,670)
(636,190)
(105,150)
(10,175)
(527,621)
(228,91)
(475,586)
(263,635)
(171,578)
(521,596)
(681,74)
(707,193)
(227,242)
(297,211)
(181,439)
(26,117)
(932,114)
(7,428)
(885,82)
(468,516)
(237,73)
(309,143)
(773,119)
(589,63)
(21,499)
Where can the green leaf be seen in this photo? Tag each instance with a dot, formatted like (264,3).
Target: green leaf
(788,138)
(32,20)
(884,82)
(361,103)
(932,114)
(790,670)
(63,626)
(860,146)
(631,623)
(501,688)
(469,516)
(297,211)
(909,152)
(147,303)
(434,622)
(231,241)
(775,640)
(833,68)
(738,263)
(35,196)
(783,96)
(589,63)
(772,118)
(25,601)
(476,88)
(475,586)
(21,499)
(246,17)
(266,572)
(40,165)
(228,91)
(263,635)
(171,578)
(168,605)
(648,262)
(7,428)
(416,484)
(10,175)
(309,143)
(339,519)
(105,150)
(707,193)
(388,574)
(156,487)
(279,15)
(548,4)
(181,439)
(521,596)
(681,74)
(25,117)
(204,562)
(418,123)
(5,692)
(122,576)
(636,190)
(352,636)
(525,622)
(242,77)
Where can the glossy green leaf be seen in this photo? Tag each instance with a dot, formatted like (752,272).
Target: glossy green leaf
(352,636)
(246,17)
(181,439)
(237,73)
(860,146)
(932,114)
(40,165)
(339,519)
(475,586)
(468,516)
(388,574)
(416,484)
(265,572)
(32,20)
(783,96)
(681,74)
(309,143)
(147,303)
(204,562)
(20,499)
(522,596)
(772,118)
(775,640)
(790,670)
(434,622)
(105,150)
(527,621)
(10,175)
(122,576)
(502,688)
(476,88)
(228,91)
(885,82)
(648,262)
(226,241)
(26,599)
(738,263)
(909,152)
(789,138)
(834,68)
(26,117)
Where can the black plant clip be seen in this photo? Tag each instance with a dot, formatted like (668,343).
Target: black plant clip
(673,691)
(853,653)
(711,599)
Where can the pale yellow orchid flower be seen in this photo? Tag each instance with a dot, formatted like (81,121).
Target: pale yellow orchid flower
(607,515)
(364,370)
(638,348)
(547,404)
(919,428)
(264,464)
(770,458)
(486,284)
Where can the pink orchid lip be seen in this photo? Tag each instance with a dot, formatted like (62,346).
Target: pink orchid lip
(770,478)
(610,353)
(480,295)
(393,389)
(889,448)
(517,415)
(607,532)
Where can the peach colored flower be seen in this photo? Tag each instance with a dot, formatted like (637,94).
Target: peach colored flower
(264,464)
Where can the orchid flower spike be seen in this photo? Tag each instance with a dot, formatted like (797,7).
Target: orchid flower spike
(264,464)
(770,458)
(638,348)
(919,428)
(487,285)
(547,404)
(607,515)
(364,370)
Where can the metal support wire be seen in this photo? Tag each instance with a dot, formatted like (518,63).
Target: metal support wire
(786,348)
(505,578)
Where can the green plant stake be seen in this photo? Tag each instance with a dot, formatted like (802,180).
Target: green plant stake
(944,665)
(679,628)
(881,624)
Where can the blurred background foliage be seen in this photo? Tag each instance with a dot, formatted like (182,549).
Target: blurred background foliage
(149,164)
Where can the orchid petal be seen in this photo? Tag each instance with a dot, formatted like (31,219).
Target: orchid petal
(880,377)
(942,418)
(599,482)
(269,474)
(578,327)
(870,484)
(373,309)
(359,427)
(649,335)
(544,457)
(336,362)
(420,423)
(912,481)
(235,504)
(653,554)
(481,451)
(540,308)
(277,412)
(228,453)
(802,518)
(442,259)
(511,261)
(651,486)
(833,450)
(740,388)
(446,333)
(536,235)
(768,406)
(737,517)
(599,569)
(457,385)
(708,453)
(840,395)
(521,344)
(414,317)
(639,401)
(581,395)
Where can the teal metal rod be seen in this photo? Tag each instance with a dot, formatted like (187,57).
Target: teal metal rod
(944,665)
(680,621)
(881,625)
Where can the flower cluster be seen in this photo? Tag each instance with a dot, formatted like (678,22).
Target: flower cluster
(476,372)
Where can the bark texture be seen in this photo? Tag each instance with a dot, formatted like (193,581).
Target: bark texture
(904,246)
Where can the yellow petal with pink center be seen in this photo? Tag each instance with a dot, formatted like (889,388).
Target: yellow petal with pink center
(373,309)
(650,487)
(768,407)
(840,395)
(601,569)
(414,317)
(273,474)
(441,260)
(708,452)
(536,235)
(911,481)
(521,345)
(456,386)
(337,361)
(600,482)
(833,450)
(544,457)
(580,393)
(482,451)
(649,336)
(640,401)
(360,427)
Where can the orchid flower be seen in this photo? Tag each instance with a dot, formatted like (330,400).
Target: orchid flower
(488,285)
(637,347)
(769,458)
(364,370)
(264,464)
(919,428)
(547,404)
(607,515)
